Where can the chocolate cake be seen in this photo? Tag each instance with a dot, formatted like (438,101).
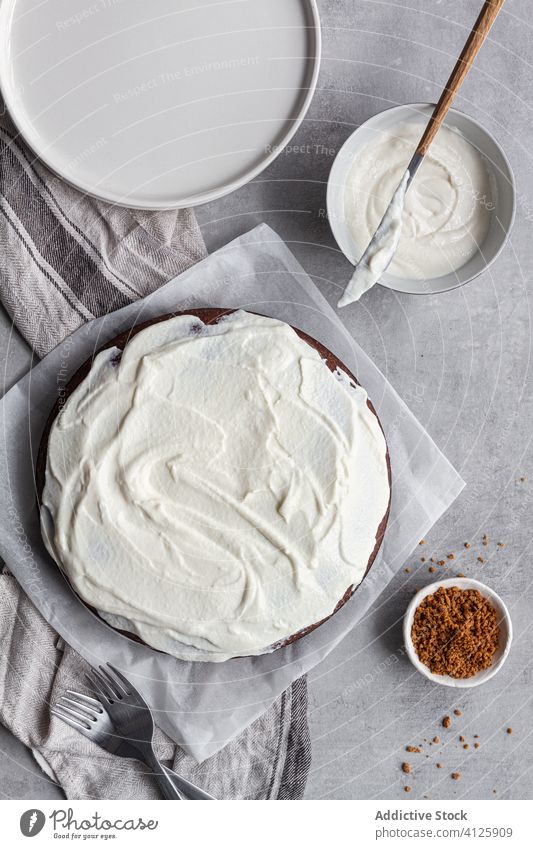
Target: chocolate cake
(207,317)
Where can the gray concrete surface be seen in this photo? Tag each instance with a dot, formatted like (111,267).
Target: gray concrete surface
(463,363)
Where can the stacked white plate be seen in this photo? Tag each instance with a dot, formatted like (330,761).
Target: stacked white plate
(158,104)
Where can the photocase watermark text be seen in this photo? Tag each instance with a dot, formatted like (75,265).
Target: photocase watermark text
(86,13)
(169,77)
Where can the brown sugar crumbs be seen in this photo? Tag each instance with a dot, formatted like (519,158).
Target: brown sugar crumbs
(412,749)
(407,789)
(455,632)
(456,776)
(447,721)
(458,712)
(406,768)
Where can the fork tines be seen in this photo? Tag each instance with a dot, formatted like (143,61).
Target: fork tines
(79,712)
(111,685)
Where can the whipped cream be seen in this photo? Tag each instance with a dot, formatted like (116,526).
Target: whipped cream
(446,212)
(215,488)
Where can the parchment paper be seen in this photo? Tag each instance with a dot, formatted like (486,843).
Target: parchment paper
(203,705)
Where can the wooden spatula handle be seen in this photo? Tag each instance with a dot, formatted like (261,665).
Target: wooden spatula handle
(487,16)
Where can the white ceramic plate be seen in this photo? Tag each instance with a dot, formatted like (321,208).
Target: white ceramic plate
(158,104)
(502,216)
(504,621)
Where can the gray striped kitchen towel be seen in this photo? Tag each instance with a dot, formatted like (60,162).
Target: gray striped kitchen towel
(67,258)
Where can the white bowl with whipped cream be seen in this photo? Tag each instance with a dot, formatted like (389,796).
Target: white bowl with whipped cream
(458,212)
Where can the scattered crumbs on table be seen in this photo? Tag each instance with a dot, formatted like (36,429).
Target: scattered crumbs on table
(476,745)
(412,749)
(446,721)
(436,740)
(500,544)
(460,575)
(458,712)
(422,542)
(432,569)
(481,559)
(441,563)
(406,768)
(407,788)
(461,739)
(450,556)
(439,766)
(456,776)
(485,540)
(509,730)
(466,545)
(407,569)
(466,746)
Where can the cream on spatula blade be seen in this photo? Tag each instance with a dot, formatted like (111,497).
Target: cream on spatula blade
(380,252)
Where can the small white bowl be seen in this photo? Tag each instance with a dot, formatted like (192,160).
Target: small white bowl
(504,621)
(497,164)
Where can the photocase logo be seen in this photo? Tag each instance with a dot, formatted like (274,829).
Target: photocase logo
(32,822)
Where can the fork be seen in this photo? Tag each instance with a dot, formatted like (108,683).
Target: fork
(121,722)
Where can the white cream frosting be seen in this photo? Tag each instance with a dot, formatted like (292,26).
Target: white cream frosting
(447,210)
(380,252)
(217,488)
